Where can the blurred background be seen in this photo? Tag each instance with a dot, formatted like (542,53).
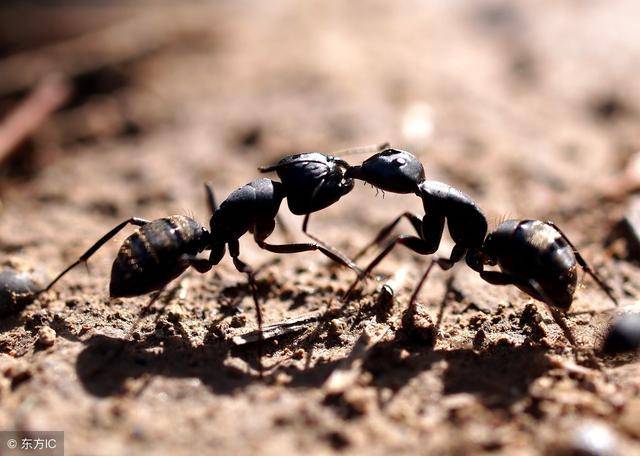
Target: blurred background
(116,109)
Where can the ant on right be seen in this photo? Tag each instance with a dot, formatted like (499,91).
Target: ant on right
(537,257)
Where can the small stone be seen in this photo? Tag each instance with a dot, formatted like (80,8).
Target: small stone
(531,323)
(417,325)
(479,339)
(46,336)
(282,378)
(337,327)
(175,313)
(360,400)
(238,321)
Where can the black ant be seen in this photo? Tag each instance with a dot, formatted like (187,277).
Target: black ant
(162,249)
(535,256)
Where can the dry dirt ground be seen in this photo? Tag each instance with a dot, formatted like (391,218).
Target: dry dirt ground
(531,107)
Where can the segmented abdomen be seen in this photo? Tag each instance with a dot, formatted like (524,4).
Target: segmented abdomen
(152,256)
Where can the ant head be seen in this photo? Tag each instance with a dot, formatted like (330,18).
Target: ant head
(312,181)
(392,170)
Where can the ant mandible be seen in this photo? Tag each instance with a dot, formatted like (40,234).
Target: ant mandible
(535,256)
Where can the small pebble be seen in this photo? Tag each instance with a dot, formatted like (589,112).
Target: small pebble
(238,321)
(46,337)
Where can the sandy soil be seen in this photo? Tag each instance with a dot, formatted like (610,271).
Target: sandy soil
(532,108)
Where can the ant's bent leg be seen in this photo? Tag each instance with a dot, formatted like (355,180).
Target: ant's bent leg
(386,231)
(411,242)
(324,247)
(497,278)
(103,240)
(584,265)
(416,291)
(535,291)
(241,266)
(307,247)
(445,264)
(202,265)
(558,317)
(457,253)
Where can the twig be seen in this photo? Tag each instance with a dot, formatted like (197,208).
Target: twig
(51,94)
(279,329)
(111,45)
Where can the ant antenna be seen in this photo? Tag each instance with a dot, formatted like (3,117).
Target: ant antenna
(351,151)
(361,149)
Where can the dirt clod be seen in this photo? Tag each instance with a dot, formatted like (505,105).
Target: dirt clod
(46,337)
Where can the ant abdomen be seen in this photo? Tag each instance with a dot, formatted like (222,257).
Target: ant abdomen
(538,257)
(155,254)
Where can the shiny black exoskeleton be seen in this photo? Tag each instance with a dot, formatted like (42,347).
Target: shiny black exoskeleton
(623,335)
(313,181)
(18,283)
(152,256)
(536,257)
(156,254)
(532,255)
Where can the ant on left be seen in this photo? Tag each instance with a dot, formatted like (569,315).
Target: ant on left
(161,250)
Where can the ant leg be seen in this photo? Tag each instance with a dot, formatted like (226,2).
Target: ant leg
(533,289)
(414,295)
(263,229)
(558,317)
(342,258)
(103,240)
(211,198)
(145,310)
(416,222)
(241,266)
(413,243)
(361,149)
(307,247)
(445,264)
(584,265)
(202,265)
